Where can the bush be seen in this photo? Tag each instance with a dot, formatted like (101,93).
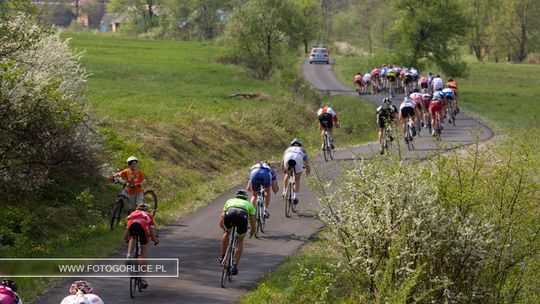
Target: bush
(457,229)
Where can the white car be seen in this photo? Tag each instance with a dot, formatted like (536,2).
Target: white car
(319,53)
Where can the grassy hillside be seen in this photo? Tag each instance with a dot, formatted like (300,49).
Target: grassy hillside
(170,104)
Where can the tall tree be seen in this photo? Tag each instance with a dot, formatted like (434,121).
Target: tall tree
(431,30)
(307,21)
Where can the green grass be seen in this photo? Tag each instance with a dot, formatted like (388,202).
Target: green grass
(168,102)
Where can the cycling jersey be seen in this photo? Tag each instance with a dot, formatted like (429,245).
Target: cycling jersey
(142,218)
(386,115)
(437,83)
(133,178)
(326,111)
(416,98)
(261,175)
(299,155)
(423,79)
(82,299)
(407,104)
(375,72)
(367,77)
(391,73)
(452,84)
(358,77)
(240,204)
(414,72)
(448,93)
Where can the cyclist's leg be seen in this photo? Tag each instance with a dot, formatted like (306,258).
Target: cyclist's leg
(256,180)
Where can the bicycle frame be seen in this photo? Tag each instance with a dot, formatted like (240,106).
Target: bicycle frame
(228,259)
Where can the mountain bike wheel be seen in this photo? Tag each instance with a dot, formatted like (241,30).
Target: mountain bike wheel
(150,199)
(117,212)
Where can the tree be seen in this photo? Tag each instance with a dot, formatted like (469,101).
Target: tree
(143,12)
(307,22)
(257,32)
(479,12)
(432,30)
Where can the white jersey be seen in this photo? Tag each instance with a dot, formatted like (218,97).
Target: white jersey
(367,77)
(406,104)
(326,110)
(82,299)
(437,83)
(297,150)
(414,72)
(299,155)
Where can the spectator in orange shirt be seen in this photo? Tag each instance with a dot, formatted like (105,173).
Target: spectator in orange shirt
(134,179)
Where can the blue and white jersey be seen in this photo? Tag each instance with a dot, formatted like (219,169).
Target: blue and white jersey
(263,167)
(448,92)
(297,150)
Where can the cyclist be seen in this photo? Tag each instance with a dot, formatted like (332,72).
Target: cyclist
(452,84)
(386,114)
(437,83)
(367,82)
(262,175)
(141,223)
(236,212)
(375,79)
(435,109)
(391,76)
(296,156)
(416,97)
(359,83)
(8,293)
(423,82)
(426,100)
(327,118)
(407,109)
(414,73)
(81,293)
(135,181)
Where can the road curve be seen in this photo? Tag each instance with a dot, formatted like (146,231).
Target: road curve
(194,238)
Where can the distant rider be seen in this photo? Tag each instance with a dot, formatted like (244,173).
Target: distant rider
(327,118)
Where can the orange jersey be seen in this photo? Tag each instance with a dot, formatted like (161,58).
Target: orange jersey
(133,178)
(452,84)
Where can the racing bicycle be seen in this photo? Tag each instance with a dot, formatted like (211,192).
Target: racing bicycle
(328,151)
(409,134)
(228,259)
(289,201)
(259,212)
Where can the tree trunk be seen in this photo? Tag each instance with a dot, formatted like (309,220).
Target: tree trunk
(522,43)
(306,46)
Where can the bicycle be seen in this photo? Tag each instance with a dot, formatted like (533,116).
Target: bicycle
(149,197)
(452,111)
(135,282)
(289,201)
(259,212)
(409,134)
(328,151)
(387,139)
(228,259)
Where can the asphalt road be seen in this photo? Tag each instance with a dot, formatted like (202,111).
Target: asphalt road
(194,239)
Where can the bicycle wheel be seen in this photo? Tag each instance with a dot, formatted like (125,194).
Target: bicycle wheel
(288,199)
(410,145)
(117,212)
(135,281)
(262,218)
(292,205)
(133,286)
(150,199)
(325,151)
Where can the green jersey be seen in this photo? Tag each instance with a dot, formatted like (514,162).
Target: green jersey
(239,203)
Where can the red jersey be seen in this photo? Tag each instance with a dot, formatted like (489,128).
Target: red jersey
(142,217)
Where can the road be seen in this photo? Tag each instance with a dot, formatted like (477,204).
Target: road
(194,239)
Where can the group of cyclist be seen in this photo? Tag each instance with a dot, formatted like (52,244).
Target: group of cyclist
(427,103)
(390,79)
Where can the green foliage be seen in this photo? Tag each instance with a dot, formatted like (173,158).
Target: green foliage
(142,13)
(432,30)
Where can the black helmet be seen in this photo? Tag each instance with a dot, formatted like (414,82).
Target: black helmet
(296,142)
(415,90)
(10,284)
(242,194)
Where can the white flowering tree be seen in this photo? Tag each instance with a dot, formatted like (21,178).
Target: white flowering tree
(45,124)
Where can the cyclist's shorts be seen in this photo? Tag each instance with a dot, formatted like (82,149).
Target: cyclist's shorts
(360,83)
(326,120)
(423,85)
(415,77)
(137,229)
(435,107)
(383,122)
(134,199)
(260,178)
(391,78)
(236,217)
(407,112)
(295,159)
(426,102)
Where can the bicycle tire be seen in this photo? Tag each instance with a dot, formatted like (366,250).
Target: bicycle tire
(150,199)
(133,285)
(292,204)
(117,212)
(288,201)
(263,218)
(134,281)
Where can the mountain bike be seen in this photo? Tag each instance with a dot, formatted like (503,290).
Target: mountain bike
(409,134)
(228,259)
(149,197)
(259,212)
(289,201)
(327,146)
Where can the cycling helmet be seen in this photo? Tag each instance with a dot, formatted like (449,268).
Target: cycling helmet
(132,158)
(142,206)
(10,284)
(84,286)
(241,194)
(296,142)
(415,90)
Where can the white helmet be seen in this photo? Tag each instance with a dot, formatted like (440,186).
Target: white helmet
(132,158)
(81,298)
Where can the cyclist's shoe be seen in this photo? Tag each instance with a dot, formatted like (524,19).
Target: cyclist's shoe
(266,213)
(295,201)
(322,147)
(391,137)
(382,150)
(449,120)
(423,125)
(457,110)
(143,284)
(332,145)
(413,131)
(234,270)
(221,259)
